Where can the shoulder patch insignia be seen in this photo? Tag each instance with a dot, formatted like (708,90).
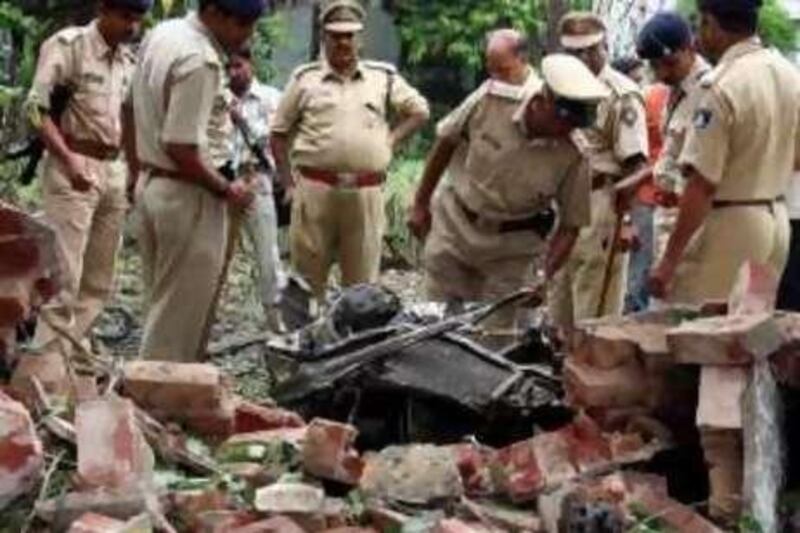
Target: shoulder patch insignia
(628,116)
(304,69)
(702,118)
(380,65)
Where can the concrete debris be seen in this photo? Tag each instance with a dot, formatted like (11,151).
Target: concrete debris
(452,525)
(64,510)
(415,474)
(224,521)
(290,497)
(189,505)
(195,394)
(96,523)
(328,452)
(622,386)
(21,451)
(274,452)
(112,452)
(727,340)
(721,394)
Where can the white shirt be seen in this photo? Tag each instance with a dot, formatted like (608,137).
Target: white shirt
(793,196)
(257,107)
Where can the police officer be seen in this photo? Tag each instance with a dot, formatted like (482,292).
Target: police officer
(615,147)
(507,56)
(666,42)
(739,153)
(337,110)
(490,223)
(83,178)
(178,97)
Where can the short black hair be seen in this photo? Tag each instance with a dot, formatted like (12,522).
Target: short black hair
(626,65)
(734,17)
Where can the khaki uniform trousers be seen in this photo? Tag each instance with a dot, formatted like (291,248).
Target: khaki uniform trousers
(89,228)
(575,291)
(336,224)
(183,233)
(467,263)
(729,237)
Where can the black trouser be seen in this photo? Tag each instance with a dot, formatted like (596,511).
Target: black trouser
(789,289)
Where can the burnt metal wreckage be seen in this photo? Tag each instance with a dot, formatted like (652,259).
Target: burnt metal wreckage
(400,375)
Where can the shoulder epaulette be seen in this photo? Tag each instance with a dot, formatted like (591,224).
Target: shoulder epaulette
(68,35)
(305,69)
(380,65)
(505,90)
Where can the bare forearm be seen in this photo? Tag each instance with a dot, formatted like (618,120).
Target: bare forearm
(559,248)
(407,127)
(188,160)
(280,152)
(54,141)
(695,206)
(439,158)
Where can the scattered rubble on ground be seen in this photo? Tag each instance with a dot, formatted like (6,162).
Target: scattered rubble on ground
(387,419)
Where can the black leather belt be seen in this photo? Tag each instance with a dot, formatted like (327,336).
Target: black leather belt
(723,204)
(542,222)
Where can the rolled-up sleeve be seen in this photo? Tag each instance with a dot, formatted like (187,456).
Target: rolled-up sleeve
(454,126)
(288,113)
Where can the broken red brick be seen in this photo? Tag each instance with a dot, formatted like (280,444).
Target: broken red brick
(193,393)
(604,346)
(190,505)
(726,340)
(623,386)
(276,524)
(49,369)
(251,417)
(21,452)
(474,464)
(224,521)
(96,523)
(588,448)
(453,525)
(517,472)
(112,453)
(328,452)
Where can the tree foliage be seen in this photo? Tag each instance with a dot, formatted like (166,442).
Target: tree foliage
(775,26)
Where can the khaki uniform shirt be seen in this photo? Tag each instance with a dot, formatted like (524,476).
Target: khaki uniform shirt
(745,136)
(221,129)
(505,174)
(340,124)
(176,85)
(98,76)
(620,131)
(677,120)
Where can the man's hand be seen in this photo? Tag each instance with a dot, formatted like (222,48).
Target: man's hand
(660,278)
(419,220)
(74,169)
(239,194)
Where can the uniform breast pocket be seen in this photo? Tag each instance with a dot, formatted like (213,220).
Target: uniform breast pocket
(485,155)
(97,104)
(374,114)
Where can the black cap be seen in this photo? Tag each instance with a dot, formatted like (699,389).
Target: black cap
(244,9)
(664,34)
(138,6)
(729,6)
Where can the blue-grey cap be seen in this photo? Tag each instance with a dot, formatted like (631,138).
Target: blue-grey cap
(139,6)
(663,35)
(244,9)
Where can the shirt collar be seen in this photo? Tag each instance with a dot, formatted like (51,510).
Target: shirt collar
(742,48)
(698,70)
(195,22)
(99,44)
(328,72)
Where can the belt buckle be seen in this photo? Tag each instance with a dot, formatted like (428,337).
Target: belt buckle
(347,180)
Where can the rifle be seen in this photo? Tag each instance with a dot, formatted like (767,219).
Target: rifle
(33,148)
(256,147)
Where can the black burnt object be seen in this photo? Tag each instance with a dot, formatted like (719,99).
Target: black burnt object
(400,377)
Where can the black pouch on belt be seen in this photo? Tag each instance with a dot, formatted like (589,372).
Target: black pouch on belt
(544,221)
